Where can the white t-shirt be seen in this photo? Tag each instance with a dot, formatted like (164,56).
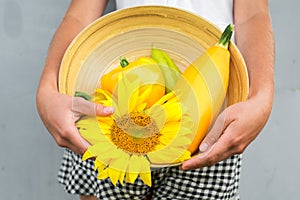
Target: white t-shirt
(218,12)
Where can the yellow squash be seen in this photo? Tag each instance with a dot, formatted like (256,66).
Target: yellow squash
(203,86)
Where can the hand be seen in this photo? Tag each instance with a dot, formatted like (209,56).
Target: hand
(59,113)
(234,129)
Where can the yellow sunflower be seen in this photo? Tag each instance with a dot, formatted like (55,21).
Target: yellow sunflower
(136,137)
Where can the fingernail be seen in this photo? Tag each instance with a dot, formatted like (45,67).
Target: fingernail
(203,147)
(182,167)
(108,110)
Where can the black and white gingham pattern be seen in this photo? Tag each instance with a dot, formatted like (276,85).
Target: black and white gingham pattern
(218,182)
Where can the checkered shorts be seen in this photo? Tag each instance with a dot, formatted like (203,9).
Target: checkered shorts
(218,182)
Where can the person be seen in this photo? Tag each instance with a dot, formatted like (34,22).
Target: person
(214,174)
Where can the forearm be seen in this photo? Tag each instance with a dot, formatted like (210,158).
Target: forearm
(254,38)
(57,111)
(78,16)
(68,29)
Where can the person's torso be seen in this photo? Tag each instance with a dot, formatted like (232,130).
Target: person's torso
(219,12)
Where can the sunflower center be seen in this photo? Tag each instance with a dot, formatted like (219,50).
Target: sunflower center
(135,133)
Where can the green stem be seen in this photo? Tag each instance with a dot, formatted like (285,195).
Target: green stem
(123,62)
(83,95)
(226,36)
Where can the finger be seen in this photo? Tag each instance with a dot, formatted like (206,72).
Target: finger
(103,110)
(82,106)
(218,152)
(197,160)
(214,134)
(78,144)
(69,137)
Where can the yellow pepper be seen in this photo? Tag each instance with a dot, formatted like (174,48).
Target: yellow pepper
(146,69)
(206,81)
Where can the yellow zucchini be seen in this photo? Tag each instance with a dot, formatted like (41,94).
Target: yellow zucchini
(203,86)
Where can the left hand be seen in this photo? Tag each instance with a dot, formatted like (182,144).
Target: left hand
(234,129)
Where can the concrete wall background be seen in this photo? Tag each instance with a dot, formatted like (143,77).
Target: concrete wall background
(29,157)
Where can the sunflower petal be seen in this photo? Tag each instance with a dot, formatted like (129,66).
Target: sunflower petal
(97,150)
(181,142)
(141,107)
(120,164)
(174,111)
(133,100)
(98,165)
(165,139)
(145,94)
(104,102)
(165,155)
(102,96)
(173,99)
(187,121)
(126,88)
(100,149)
(146,178)
(87,154)
(113,175)
(134,169)
(145,164)
(145,173)
(179,138)
(90,130)
(158,114)
(108,121)
(171,128)
(169,132)
(185,156)
(186,131)
(165,98)
(131,177)
(159,146)
(105,124)
(103,174)
(110,156)
(121,177)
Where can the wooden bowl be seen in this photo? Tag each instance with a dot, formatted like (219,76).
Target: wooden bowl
(132,33)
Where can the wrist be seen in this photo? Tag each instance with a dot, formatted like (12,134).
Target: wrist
(263,99)
(46,87)
(262,88)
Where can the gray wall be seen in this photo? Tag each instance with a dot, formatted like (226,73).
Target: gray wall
(271,164)
(29,157)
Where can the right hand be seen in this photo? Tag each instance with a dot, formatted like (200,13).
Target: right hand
(59,113)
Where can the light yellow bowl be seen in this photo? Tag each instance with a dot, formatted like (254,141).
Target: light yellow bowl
(132,33)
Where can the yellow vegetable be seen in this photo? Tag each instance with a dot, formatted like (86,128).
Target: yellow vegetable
(146,69)
(206,81)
